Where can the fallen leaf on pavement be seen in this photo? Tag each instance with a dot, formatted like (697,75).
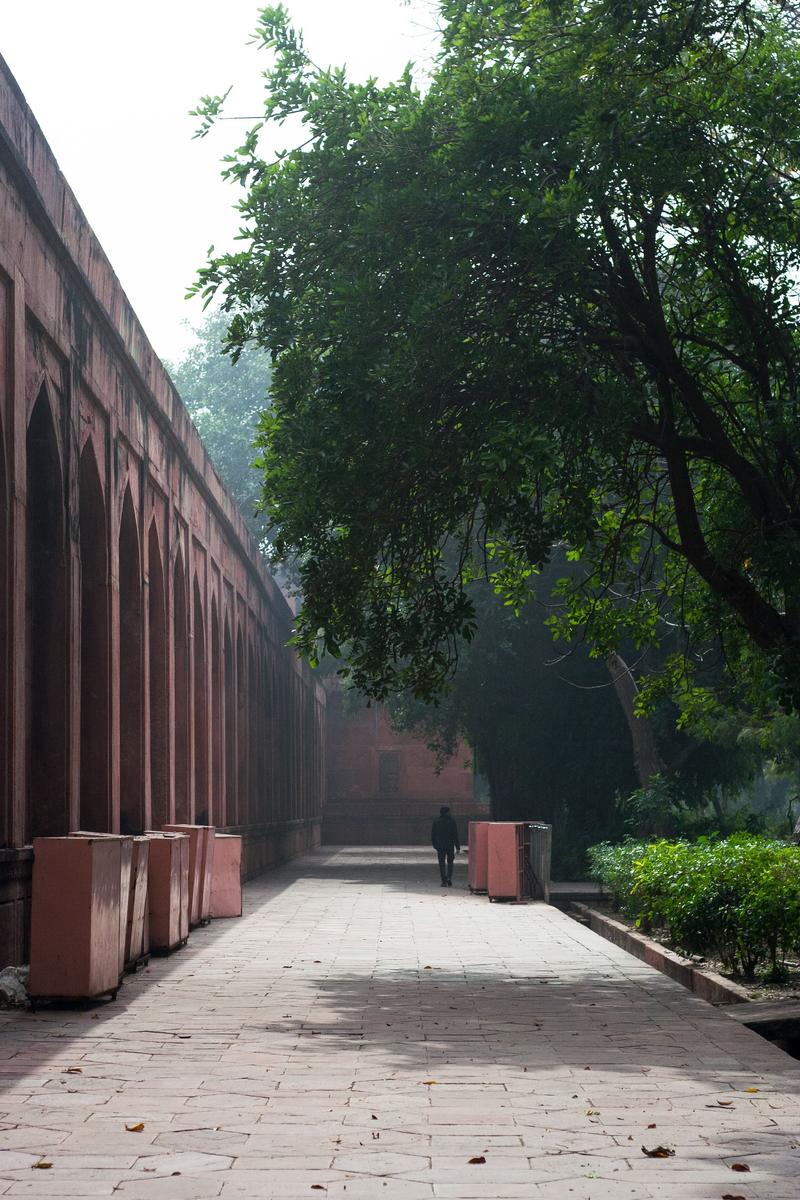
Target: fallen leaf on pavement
(751,1089)
(478,1158)
(658,1152)
(739,1167)
(137,1128)
(652,1125)
(430,1082)
(72,1071)
(42,1166)
(730,1196)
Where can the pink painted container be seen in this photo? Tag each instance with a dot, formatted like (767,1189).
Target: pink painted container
(196,858)
(137,943)
(125,864)
(75,917)
(505,871)
(226,887)
(478,855)
(209,854)
(168,890)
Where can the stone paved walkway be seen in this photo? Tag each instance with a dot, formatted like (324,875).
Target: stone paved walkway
(365,1034)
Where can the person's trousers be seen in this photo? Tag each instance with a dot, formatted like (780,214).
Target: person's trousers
(446,856)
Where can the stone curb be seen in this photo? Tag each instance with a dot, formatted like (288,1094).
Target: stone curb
(705,984)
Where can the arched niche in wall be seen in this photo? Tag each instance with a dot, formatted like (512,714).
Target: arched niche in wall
(131,691)
(95,783)
(266,733)
(181,684)
(5,808)
(217,814)
(157,651)
(200,711)
(46,643)
(263,734)
(230,729)
(241,733)
(252,714)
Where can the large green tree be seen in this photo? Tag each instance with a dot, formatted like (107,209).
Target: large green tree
(551,299)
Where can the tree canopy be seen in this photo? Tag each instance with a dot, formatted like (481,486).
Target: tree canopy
(549,301)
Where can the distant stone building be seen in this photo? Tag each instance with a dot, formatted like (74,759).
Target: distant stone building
(383,787)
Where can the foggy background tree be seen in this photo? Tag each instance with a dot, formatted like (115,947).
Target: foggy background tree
(225,400)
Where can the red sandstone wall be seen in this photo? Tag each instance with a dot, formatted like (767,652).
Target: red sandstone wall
(383,787)
(143,669)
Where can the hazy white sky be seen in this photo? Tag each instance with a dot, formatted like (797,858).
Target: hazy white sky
(111,85)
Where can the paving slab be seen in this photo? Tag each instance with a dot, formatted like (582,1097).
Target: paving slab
(361,1032)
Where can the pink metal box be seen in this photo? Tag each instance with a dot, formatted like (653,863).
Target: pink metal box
(168,889)
(75,917)
(125,863)
(196,857)
(137,943)
(226,888)
(478,851)
(207,873)
(505,873)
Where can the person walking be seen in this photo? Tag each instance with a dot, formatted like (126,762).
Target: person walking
(444,837)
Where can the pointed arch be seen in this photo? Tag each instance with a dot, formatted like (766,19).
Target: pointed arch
(181,676)
(157,651)
(95,783)
(241,732)
(200,710)
(217,813)
(46,642)
(131,690)
(5,808)
(252,719)
(230,728)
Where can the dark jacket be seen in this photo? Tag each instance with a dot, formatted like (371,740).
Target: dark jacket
(444,834)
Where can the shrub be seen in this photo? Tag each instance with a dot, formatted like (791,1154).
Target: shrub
(736,899)
(612,866)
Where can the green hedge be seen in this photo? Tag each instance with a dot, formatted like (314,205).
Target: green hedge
(736,900)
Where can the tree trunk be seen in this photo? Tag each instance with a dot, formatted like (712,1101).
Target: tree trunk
(646,758)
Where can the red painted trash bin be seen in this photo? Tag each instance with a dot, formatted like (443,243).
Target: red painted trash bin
(508,853)
(207,872)
(478,842)
(137,943)
(168,889)
(125,862)
(196,859)
(75,917)
(226,887)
